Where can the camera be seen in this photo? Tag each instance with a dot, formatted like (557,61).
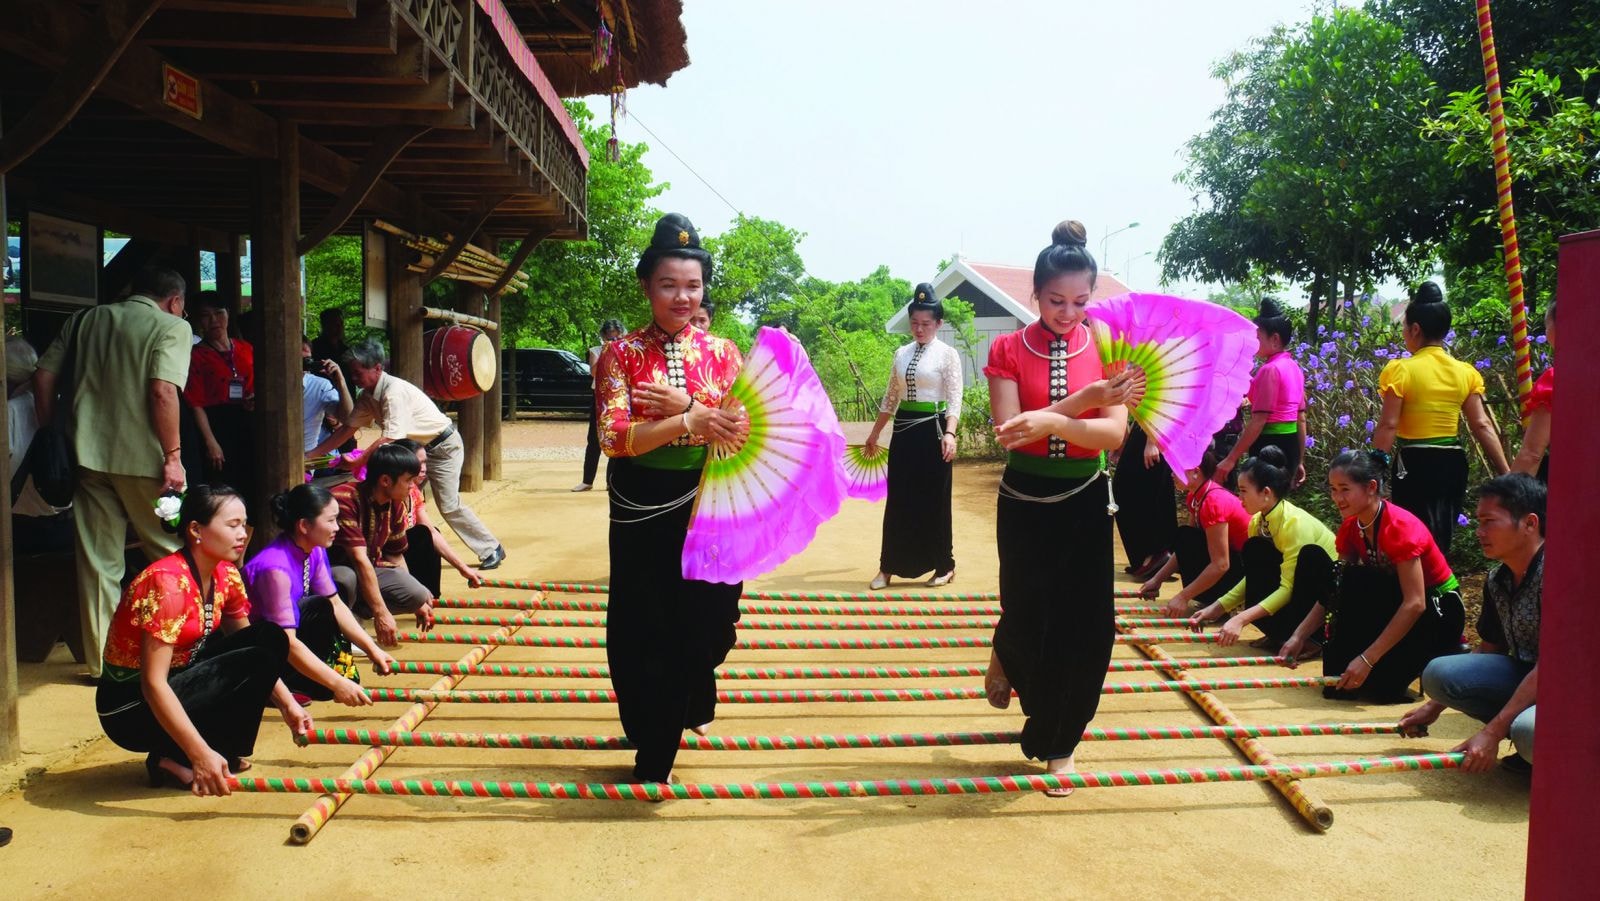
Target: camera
(310,364)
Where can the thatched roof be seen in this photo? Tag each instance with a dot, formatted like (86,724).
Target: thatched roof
(648,37)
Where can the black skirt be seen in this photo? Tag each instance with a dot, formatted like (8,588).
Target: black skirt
(1194,556)
(234,428)
(1057,622)
(1147,514)
(1432,487)
(665,635)
(1362,606)
(1263,572)
(916,513)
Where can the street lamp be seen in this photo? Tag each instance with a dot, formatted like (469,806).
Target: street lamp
(1127,266)
(1111,235)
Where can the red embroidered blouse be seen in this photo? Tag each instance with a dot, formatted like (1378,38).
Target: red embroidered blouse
(164,601)
(1544,391)
(210,370)
(1211,504)
(699,363)
(1401,537)
(1023,356)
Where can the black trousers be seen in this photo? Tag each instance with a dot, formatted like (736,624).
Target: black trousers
(917,535)
(1057,623)
(318,630)
(591,450)
(422,558)
(1263,572)
(665,635)
(223,695)
(1194,556)
(1364,603)
(235,430)
(1434,484)
(1147,515)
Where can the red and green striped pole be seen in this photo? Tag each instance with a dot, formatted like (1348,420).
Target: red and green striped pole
(582,605)
(892,596)
(777,625)
(787,644)
(952,671)
(530,742)
(964,785)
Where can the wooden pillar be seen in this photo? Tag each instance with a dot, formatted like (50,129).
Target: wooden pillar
(279,313)
(230,286)
(469,412)
(492,471)
(10,729)
(187,261)
(405,317)
(1561,838)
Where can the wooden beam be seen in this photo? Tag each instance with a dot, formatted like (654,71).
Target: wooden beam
(439,93)
(388,144)
(462,236)
(280,313)
(409,65)
(230,286)
(97,50)
(460,116)
(493,470)
(340,9)
(531,240)
(470,412)
(10,725)
(137,223)
(405,316)
(376,32)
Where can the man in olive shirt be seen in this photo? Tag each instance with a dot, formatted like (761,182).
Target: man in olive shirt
(131,362)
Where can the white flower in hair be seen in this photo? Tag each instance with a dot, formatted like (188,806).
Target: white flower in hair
(167,508)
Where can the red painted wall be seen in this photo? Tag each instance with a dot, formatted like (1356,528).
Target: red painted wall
(1563,840)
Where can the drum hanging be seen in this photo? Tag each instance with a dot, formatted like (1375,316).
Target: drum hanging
(458,363)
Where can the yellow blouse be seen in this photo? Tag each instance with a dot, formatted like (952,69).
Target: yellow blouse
(1432,386)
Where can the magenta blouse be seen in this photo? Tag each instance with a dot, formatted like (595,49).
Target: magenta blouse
(1279,388)
(277,578)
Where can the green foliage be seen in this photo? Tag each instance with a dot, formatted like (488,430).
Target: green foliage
(334,279)
(758,267)
(842,327)
(1314,169)
(1559,36)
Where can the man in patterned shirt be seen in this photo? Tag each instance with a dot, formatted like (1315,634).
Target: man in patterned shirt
(369,551)
(1497,683)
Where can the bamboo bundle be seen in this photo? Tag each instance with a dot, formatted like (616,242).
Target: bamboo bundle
(474,264)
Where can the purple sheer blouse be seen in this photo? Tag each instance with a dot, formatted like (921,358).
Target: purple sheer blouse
(277,578)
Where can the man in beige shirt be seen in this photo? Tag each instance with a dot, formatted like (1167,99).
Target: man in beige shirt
(131,362)
(401,410)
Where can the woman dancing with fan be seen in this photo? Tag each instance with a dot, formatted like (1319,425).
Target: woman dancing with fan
(1287,559)
(1277,399)
(1424,397)
(1054,638)
(1206,549)
(924,403)
(658,392)
(1397,605)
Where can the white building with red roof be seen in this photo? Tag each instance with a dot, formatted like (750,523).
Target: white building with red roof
(1002,301)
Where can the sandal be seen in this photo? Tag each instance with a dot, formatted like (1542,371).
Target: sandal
(939,580)
(1064,791)
(879,582)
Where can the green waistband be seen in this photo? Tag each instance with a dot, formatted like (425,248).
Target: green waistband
(119,673)
(1445,587)
(923,406)
(1447,441)
(1281,428)
(1056,467)
(674,456)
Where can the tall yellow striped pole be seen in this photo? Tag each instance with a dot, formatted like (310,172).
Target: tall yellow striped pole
(1508,216)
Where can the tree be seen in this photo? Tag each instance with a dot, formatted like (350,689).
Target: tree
(1314,169)
(1558,36)
(757,266)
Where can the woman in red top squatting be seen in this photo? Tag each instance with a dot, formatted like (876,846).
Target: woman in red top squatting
(657,395)
(172,686)
(1057,415)
(1396,606)
(1207,547)
(1534,456)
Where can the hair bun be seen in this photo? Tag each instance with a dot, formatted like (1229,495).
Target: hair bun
(924,294)
(1270,309)
(1070,233)
(1274,455)
(1427,292)
(674,231)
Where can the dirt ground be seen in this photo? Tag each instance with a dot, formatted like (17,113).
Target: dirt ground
(86,826)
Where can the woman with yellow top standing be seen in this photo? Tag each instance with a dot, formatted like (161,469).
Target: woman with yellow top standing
(1424,397)
(1287,558)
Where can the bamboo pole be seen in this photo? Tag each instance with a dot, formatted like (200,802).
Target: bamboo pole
(952,671)
(459,318)
(1507,211)
(890,596)
(815,696)
(530,742)
(777,625)
(1312,809)
(795,644)
(963,785)
(759,608)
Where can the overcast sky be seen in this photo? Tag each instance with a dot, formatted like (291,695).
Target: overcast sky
(898,132)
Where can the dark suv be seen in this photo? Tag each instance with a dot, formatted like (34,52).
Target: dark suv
(548,380)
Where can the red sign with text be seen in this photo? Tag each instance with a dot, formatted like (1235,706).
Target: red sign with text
(180,90)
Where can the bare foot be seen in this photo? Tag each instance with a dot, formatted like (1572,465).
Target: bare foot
(1060,766)
(701,730)
(995,684)
(183,774)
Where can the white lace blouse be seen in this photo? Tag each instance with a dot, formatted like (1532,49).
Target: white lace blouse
(925,372)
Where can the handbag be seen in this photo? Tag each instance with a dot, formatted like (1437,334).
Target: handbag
(50,459)
(340,658)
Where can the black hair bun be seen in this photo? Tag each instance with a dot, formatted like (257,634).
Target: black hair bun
(924,294)
(1070,233)
(1274,456)
(1270,309)
(1427,292)
(674,231)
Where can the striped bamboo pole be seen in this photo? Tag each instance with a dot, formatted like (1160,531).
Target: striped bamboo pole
(892,596)
(960,785)
(1315,812)
(312,821)
(581,605)
(1507,211)
(787,644)
(528,742)
(819,695)
(954,671)
(777,625)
